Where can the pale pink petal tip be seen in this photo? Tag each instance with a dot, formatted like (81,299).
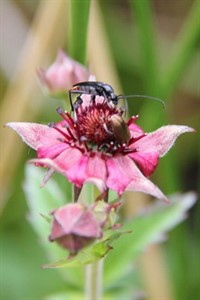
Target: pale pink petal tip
(162,139)
(35,135)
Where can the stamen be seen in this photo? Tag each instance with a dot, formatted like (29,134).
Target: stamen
(77,147)
(118,148)
(69,118)
(71,134)
(129,150)
(111,147)
(66,116)
(132,120)
(83,138)
(133,140)
(86,146)
(53,125)
(103,148)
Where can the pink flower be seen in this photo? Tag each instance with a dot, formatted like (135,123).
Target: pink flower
(62,75)
(74,227)
(98,146)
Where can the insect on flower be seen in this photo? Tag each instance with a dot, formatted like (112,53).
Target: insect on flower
(97,88)
(97,145)
(94,88)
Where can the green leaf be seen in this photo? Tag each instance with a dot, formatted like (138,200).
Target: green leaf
(90,254)
(41,201)
(147,228)
(84,257)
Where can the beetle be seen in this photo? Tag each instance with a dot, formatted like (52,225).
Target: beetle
(98,88)
(94,88)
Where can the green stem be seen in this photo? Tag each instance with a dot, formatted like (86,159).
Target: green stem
(78,29)
(93,280)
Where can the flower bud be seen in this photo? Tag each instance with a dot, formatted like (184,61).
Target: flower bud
(62,75)
(107,213)
(74,227)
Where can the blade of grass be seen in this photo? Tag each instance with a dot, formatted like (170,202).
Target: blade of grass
(146,34)
(183,51)
(184,48)
(185,45)
(78,29)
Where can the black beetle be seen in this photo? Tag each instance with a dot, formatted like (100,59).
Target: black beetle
(94,88)
(98,88)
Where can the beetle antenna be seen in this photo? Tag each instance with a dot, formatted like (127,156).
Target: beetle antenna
(142,96)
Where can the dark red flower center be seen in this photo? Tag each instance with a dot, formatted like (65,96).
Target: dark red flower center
(99,126)
(94,123)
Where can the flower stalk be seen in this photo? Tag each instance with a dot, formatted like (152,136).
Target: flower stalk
(93,280)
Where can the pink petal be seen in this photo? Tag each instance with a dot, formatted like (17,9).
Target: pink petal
(66,216)
(77,167)
(142,184)
(66,160)
(124,175)
(135,130)
(161,140)
(87,226)
(97,172)
(80,168)
(147,162)
(48,163)
(77,173)
(119,173)
(52,151)
(75,219)
(36,135)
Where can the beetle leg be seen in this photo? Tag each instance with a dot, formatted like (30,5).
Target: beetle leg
(93,97)
(77,103)
(70,99)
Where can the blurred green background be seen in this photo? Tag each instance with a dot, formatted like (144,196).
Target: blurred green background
(137,46)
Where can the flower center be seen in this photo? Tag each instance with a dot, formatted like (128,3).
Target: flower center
(98,126)
(94,123)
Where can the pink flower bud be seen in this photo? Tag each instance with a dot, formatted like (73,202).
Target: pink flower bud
(74,227)
(62,75)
